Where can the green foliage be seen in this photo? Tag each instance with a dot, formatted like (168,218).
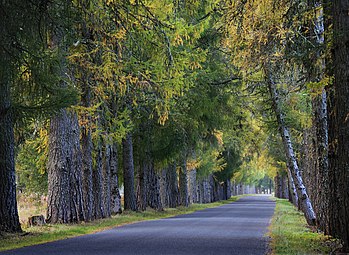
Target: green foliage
(31,163)
(29,61)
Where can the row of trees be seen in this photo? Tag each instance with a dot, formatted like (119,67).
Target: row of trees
(96,87)
(183,96)
(296,52)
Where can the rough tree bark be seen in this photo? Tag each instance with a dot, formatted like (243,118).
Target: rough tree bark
(163,188)
(153,188)
(86,149)
(9,221)
(192,186)
(340,160)
(106,177)
(115,203)
(98,209)
(172,182)
(169,192)
(206,189)
(305,202)
(142,178)
(65,203)
(129,194)
(281,186)
(228,188)
(319,105)
(183,182)
(309,164)
(86,138)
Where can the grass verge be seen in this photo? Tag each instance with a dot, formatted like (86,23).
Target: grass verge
(49,233)
(291,235)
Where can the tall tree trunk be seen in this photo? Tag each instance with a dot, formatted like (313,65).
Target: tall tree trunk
(86,138)
(309,164)
(106,177)
(319,104)
(228,188)
(78,209)
(86,149)
(293,196)
(305,202)
(114,186)
(142,178)
(65,198)
(9,221)
(153,188)
(172,182)
(278,185)
(129,194)
(65,203)
(340,168)
(98,208)
(192,186)
(281,185)
(164,188)
(183,182)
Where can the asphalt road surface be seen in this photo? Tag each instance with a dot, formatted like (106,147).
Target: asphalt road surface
(236,228)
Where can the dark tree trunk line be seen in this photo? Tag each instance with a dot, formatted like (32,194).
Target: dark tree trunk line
(76,174)
(339,166)
(148,180)
(304,200)
(86,149)
(321,150)
(98,208)
(104,181)
(309,164)
(106,176)
(163,188)
(206,191)
(183,182)
(9,221)
(172,186)
(228,188)
(129,193)
(153,188)
(319,136)
(169,191)
(281,185)
(142,183)
(115,197)
(86,137)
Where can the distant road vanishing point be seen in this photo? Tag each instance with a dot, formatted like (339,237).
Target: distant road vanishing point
(235,228)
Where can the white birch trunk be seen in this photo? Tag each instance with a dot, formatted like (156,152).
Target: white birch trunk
(304,200)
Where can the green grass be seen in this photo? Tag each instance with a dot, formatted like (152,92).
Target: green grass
(290,234)
(48,233)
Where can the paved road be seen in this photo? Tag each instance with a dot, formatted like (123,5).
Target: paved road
(236,228)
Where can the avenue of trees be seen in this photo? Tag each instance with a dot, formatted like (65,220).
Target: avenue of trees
(174,102)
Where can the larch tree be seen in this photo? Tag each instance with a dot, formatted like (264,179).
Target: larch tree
(65,192)
(28,89)
(260,33)
(340,135)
